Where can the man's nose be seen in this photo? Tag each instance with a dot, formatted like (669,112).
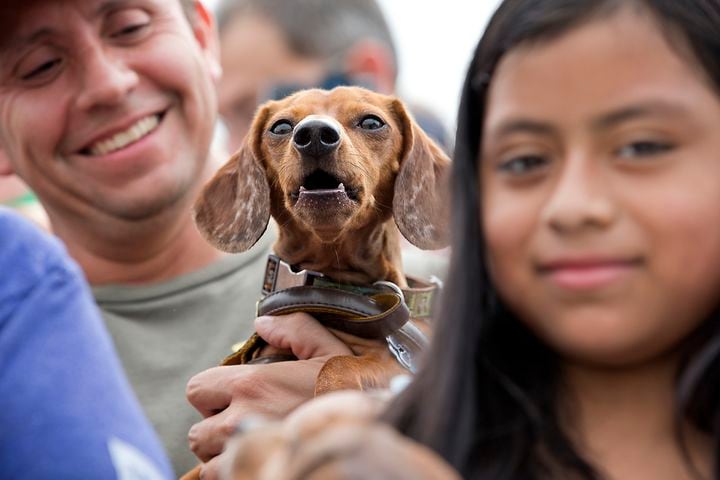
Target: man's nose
(107,78)
(581,198)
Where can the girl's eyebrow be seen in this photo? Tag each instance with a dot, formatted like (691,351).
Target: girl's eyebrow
(659,108)
(522,125)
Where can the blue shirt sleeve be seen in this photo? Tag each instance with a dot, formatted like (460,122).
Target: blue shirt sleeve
(66,408)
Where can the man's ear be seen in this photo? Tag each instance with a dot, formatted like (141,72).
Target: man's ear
(372,61)
(206,33)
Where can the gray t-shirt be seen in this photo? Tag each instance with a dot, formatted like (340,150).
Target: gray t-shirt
(166,333)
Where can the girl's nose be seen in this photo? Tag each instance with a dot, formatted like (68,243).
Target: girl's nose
(581,199)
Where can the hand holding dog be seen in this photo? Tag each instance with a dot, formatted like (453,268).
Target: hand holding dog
(224,396)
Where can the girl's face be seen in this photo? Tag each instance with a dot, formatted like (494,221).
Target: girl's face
(600,186)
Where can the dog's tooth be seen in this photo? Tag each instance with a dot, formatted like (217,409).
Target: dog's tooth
(341,187)
(302,189)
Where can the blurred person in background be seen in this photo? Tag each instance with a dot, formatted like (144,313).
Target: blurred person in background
(271,48)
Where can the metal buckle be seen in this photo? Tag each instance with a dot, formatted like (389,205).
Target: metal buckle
(406,345)
(401,354)
(280,275)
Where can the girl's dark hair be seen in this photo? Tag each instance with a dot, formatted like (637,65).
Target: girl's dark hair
(486,399)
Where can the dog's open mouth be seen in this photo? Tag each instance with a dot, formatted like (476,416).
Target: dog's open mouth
(322,185)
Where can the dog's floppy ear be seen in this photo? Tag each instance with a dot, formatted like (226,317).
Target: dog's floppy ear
(233,209)
(421,189)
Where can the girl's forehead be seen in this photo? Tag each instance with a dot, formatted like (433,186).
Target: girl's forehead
(597,66)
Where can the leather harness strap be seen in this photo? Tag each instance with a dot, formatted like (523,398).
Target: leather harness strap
(377,312)
(375,316)
(418,297)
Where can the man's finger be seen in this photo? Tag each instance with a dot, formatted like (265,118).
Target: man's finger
(208,391)
(301,334)
(207,437)
(211,469)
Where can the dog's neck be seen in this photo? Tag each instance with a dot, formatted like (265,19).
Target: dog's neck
(360,257)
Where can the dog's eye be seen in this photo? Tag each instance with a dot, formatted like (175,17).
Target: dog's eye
(371,122)
(281,127)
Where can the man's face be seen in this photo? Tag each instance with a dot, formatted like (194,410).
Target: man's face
(106,106)
(255,57)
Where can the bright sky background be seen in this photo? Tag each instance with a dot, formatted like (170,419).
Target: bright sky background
(435,40)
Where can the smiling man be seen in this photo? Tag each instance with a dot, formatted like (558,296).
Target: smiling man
(107,110)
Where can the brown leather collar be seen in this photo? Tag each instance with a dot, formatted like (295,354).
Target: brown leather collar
(381,311)
(419,296)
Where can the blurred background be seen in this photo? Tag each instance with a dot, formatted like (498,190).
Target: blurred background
(435,42)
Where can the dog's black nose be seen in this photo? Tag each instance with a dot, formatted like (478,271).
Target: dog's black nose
(316,137)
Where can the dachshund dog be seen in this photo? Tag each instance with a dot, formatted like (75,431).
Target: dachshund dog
(344,173)
(333,168)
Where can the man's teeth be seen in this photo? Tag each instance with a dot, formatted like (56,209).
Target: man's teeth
(123,139)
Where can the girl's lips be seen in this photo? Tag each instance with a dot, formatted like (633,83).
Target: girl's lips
(588,275)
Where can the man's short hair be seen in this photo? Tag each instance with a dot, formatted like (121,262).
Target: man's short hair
(322,29)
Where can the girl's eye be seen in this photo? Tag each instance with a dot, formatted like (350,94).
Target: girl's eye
(371,122)
(281,127)
(643,149)
(523,164)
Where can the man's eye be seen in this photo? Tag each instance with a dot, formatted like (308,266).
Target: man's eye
(127,23)
(643,149)
(130,30)
(522,164)
(41,70)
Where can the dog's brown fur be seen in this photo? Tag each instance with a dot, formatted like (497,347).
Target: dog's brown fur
(396,171)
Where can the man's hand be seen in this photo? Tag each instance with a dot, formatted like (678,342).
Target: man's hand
(227,395)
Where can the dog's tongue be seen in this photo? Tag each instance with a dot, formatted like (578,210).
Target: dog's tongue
(340,189)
